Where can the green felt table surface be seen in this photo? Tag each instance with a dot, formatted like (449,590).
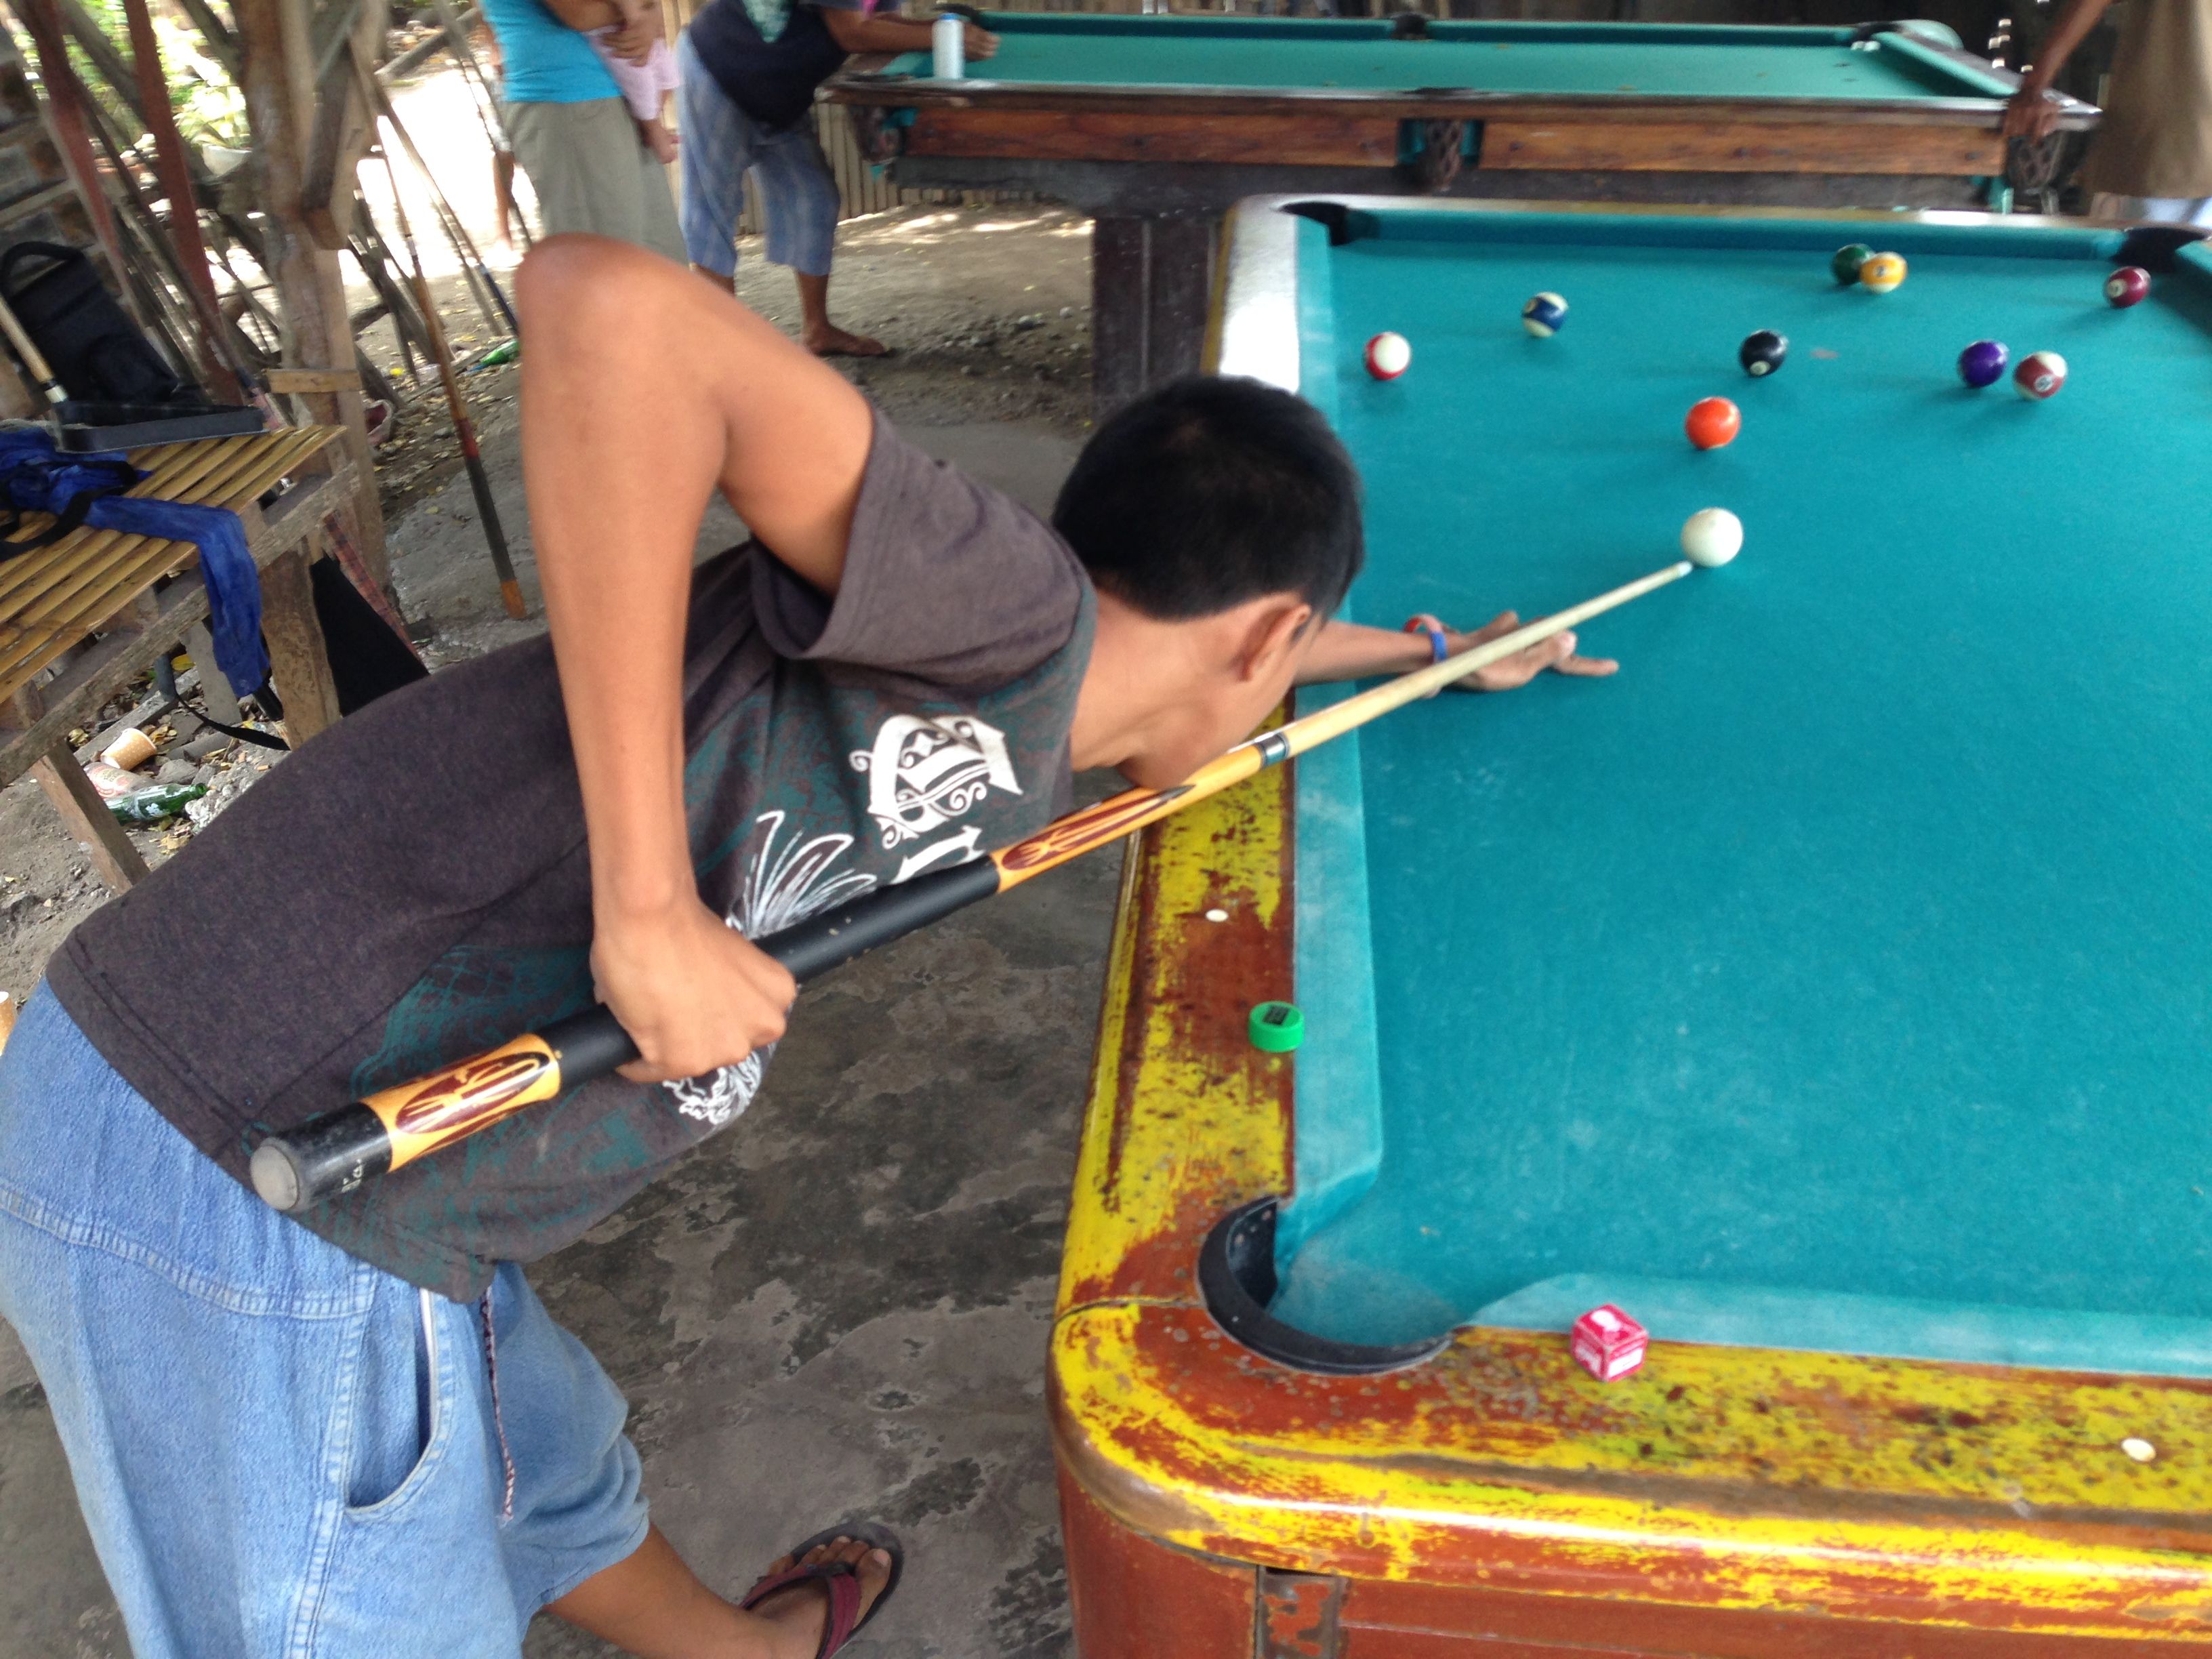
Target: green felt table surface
(1312,54)
(1840,973)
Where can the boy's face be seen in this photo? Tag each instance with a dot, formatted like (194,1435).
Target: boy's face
(1224,696)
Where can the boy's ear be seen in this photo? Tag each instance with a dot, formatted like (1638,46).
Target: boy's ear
(1278,629)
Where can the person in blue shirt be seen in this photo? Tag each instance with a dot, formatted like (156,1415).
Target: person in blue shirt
(750,68)
(571,130)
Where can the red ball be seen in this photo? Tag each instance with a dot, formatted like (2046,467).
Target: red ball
(2127,286)
(1713,421)
(2039,375)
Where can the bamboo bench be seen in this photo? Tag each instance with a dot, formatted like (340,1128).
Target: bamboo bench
(82,618)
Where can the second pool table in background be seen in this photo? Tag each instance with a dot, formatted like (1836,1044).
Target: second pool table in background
(1156,125)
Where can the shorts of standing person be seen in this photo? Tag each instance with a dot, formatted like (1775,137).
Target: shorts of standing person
(591,172)
(721,143)
(2152,210)
(280,1450)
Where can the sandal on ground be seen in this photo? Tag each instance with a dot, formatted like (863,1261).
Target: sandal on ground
(840,1580)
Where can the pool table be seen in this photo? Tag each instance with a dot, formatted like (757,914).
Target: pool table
(1832,990)
(1156,125)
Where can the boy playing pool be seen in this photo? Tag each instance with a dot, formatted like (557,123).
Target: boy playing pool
(364,1435)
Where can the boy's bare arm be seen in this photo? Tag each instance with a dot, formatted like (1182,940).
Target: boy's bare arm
(1349,651)
(644,390)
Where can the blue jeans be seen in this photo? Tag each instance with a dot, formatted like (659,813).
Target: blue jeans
(280,1450)
(721,143)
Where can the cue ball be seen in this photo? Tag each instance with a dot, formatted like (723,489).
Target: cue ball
(1389,355)
(1712,421)
(2039,375)
(1883,274)
(1981,363)
(1762,353)
(1544,315)
(2127,286)
(1845,265)
(1711,537)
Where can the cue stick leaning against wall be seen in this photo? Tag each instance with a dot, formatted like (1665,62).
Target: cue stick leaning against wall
(339,1149)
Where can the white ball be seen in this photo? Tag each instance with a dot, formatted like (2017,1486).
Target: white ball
(1389,355)
(1712,535)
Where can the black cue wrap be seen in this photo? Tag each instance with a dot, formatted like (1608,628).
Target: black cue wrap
(336,1152)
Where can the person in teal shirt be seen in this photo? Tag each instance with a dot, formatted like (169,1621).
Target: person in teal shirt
(572,132)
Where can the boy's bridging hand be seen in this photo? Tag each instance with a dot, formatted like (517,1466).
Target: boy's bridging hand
(1348,651)
(1557,653)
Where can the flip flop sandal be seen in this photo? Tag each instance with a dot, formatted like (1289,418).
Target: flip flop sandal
(840,1580)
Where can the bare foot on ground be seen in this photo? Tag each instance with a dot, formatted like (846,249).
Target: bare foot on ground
(834,342)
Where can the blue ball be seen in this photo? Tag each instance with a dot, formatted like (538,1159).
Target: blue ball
(1983,363)
(1544,315)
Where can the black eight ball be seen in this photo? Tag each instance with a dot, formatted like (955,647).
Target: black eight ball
(1762,353)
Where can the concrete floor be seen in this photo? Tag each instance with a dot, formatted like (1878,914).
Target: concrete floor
(839,1307)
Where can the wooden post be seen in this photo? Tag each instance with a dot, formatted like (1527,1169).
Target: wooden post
(296,660)
(88,817)
(66,102)
(175,171)
(279,83)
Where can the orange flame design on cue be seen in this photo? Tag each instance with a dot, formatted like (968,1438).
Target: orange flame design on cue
(1078,832)
(425,1114)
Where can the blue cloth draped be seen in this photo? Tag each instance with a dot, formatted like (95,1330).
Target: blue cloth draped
(36,477)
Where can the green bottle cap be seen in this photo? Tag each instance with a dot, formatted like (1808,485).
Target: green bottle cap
(1276,1027)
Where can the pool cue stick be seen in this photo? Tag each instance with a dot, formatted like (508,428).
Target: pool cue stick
(464,246)
(337,1151)
(510,590)
(34,361)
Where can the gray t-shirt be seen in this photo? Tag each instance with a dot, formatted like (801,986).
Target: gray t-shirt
(412,887)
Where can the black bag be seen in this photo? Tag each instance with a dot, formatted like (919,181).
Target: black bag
(367,659)
(89,343)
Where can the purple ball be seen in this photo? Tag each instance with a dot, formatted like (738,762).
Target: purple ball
(1983,363)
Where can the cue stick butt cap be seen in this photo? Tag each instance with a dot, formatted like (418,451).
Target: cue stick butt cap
(277,1176)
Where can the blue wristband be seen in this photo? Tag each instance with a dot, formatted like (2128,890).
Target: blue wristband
(1439,639)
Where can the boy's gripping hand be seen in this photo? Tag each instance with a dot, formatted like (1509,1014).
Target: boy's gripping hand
(693,993)
(645,390)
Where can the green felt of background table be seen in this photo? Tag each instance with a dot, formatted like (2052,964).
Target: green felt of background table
(1657,60)
(1840,975)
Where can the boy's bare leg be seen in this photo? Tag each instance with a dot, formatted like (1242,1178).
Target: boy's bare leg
(652,1605)
(821,337)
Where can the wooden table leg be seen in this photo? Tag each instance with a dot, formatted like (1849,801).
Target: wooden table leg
(1150,278)
(88,817)
(297,659)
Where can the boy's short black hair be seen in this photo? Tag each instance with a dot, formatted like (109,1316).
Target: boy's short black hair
(1209,491)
